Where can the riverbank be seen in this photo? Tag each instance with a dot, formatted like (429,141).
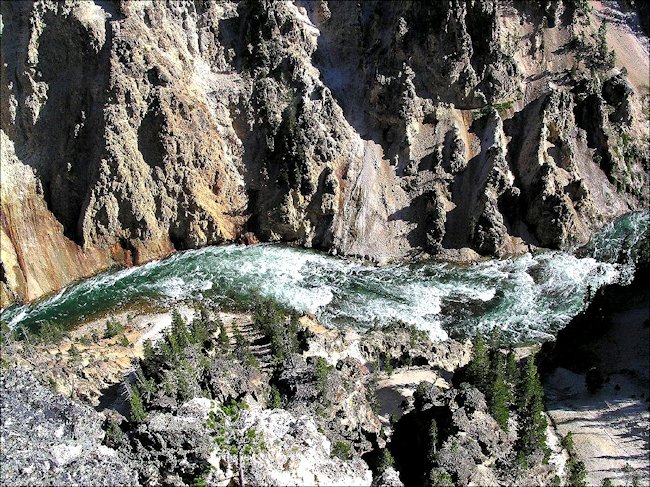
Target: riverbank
(611,427)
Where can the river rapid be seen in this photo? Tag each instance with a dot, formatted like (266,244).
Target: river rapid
(529,297)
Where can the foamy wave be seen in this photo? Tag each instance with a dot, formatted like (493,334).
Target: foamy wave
(530,297)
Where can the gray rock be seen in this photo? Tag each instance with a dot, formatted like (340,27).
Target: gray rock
(48,439)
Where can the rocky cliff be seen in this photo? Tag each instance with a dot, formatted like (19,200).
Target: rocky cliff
(378,129)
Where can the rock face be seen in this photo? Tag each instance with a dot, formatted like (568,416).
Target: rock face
(48,439)
(130,129)
(285,435)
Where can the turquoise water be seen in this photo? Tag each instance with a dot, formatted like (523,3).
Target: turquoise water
(529,297)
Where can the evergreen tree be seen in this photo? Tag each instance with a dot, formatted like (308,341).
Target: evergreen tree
(433,441)
(494,340)
(499,393)
(138,413)
(532,421)
(385,461)
(149,353)
(146,387)
(223,339)
(199,331)
(150,359)
(6,336)
(440,478)
(179,330)
(601,41)
(512,372)
(233,436)
(479,365)
(576,471)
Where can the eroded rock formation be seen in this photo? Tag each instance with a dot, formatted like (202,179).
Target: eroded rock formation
(379,130)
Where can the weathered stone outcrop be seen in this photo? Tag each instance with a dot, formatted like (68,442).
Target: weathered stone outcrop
(48,439)
(380,130)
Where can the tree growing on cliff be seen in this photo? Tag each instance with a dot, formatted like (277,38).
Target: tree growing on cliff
(576,471)
(180,333)
(532,421)
(433,441)
(479,365)
(233,435)
(499,393)
(137,411)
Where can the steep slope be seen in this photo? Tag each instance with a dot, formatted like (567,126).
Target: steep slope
(381,130)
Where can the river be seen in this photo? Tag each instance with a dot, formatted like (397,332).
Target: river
(530,297)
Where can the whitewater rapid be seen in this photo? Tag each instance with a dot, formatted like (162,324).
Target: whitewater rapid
(529,297)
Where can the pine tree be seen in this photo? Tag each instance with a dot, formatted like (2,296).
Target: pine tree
(601,41)
(385,461)
(494,342)
(499,393)
(179,330)
(150,358)
(224,340)
(433,441)
(138,413)
(512,372)
(532,421)
(149,353)
(233,436)
(479,365)
(199,331)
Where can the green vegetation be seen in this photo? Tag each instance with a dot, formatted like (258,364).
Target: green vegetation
(479,366)
(509,391)
(385,461)
(233,436)
(341,450)
(179,366)
(113,328)
(576,472)
(243,351)
(124,341)
(114,434)
(500,394)
(531,433)
(47,333)
(275,398)
(594,54)
(503,106)
(321,373)
(594,380)
(6,336)
(441,479)
(433,441)
(271,320)
(136,408)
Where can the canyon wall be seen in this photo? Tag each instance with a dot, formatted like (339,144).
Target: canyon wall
(382,130)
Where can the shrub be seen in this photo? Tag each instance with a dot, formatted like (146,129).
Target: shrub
(124,341)
(385,461)
(441,479)
(321,373)
(113,328)
(275,398)
(341,450)
(114,435)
